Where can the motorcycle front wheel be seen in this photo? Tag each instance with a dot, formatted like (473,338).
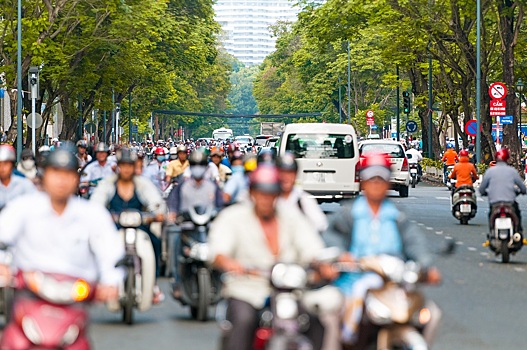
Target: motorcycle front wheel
(128,303)
(201,311)
(505,257)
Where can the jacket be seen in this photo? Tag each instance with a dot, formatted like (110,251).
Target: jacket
(465,172)
(339,234)
(501,183)
(450,157)
(147,192)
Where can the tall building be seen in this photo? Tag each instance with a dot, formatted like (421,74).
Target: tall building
(245,24)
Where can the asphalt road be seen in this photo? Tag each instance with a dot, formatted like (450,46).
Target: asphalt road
(482,300)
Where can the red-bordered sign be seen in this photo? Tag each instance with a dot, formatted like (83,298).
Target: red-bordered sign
(497,91)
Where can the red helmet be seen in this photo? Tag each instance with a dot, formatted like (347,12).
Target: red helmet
(159,151)
(232,147)
(463,153)
(502,155)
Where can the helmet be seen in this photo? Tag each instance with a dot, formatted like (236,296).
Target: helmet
(287,162)
(449,146)
(182,148)
(463,153)
(265,179)
(250,162)
(237,155)
(62,158)
(27,153)
(55,139)
(125,155)
(232,147)
(7,153)
(502,155)
(82,143)
(198,157)
(159,151)
(44,149)
(266,156)
(375,165)
(215,151)
(173,151)
(102,147)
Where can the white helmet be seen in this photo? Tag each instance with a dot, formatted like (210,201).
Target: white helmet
(173,150)
(7,153)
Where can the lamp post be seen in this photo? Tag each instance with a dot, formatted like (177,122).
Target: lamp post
(519,88)
(478,81)
(19,83)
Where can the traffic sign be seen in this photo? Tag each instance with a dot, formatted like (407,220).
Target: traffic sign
(498,108)
(369,114)
(134,129)
(506,119)
(38,120)
(370,121)
(411,126)
(471,127)
(497,91)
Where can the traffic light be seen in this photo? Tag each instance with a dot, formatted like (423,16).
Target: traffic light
(406,102)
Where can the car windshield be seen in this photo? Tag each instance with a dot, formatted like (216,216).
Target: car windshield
(243,139)
(261,140)
(394,151)
(320,146)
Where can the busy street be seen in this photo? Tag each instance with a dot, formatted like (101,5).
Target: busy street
(480,297)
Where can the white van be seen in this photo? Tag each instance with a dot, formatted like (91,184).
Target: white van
(327,156)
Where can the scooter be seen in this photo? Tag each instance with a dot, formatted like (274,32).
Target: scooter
(449,183)
(200,285)
(49,312)
(137,289)
(398,309)
(505,237)
(414,174)
(464,204)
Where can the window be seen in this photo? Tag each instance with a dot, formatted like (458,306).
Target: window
(320,146)
(394,151)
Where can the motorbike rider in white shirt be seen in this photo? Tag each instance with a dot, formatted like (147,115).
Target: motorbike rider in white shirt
(66,235)
(99,169)
(416,158)
(11,185)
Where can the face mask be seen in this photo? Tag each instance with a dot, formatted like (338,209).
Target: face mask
(198,171)
(238,169)
(161,158)
(28,164)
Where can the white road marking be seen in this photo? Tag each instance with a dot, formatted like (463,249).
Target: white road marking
(420,224)
(472,249)
(447,198)
(519,269)
(429,228)
(439,232)
(413,221)
(484,253)
(459,243)
(448,237)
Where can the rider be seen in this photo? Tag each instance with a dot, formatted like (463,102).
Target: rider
(156,169)
(227,160)
(83,157)
(372,225)
(257,234)
(100,168)
(177,166)
(124,190)
(197,190)
(11,186)
(27,166)
(465,172)
(66,235)
(416,158)
(502,182)
(294,195)
(223,171)
(449,158)
(236,189)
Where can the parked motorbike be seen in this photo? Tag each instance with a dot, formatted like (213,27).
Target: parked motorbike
(398,309)
(136,291)
(50,312)
(415,178)
(464,204)
(200,285)
(505,237)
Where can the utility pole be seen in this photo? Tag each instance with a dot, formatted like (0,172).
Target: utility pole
(19,101)
(113,118)
(130,117)
(478,82)
(349,84)
(398,108)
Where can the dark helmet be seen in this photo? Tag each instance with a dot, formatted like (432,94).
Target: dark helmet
(62,158)
(287,162)
(27,153)
(125,155)
(102,147)
(198,157)
(266,156)
(503,155)
(265,179)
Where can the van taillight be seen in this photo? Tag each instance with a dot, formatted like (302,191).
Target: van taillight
(405,164)
(357,169)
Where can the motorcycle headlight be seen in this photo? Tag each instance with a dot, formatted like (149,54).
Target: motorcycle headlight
(199,251)
(376,311)
(286,306)
(31,330)
(422,317)
(71,335)
(130,219)
(129,236)
(288,276)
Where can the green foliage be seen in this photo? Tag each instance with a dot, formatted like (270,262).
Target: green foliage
(427,162)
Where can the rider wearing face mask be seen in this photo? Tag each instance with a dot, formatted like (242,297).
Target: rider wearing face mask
(196,191)
(236,189)
(27,165)
(11,186)
(156,170)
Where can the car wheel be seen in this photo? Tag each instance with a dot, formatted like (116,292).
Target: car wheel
(403,191)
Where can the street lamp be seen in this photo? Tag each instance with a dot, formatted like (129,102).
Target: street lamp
(519,88)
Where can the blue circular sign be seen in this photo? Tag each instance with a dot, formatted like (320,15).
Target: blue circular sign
(411,126)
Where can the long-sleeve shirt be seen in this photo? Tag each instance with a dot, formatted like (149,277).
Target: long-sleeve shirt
(465,172)
(18,186)
(500,184)
(308,206)
(81,242)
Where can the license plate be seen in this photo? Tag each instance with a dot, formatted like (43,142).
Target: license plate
(465,208)
(503,224)
(320,177)
(413,171)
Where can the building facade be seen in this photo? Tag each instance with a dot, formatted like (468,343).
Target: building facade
(245,24)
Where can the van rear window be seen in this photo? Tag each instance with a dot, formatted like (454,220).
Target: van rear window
(320,146)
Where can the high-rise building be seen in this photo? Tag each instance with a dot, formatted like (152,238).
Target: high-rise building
(245,24)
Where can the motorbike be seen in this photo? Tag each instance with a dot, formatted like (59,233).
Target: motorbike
(415,178)
(84,188)
(464,204)
(200,285)
(50,312)
(398,309)
(136,291)
(505,237)
(450,183)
